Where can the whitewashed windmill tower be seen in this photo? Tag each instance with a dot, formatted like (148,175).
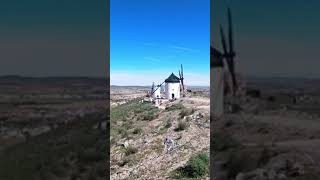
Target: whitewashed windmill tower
(172,87)
(217,67)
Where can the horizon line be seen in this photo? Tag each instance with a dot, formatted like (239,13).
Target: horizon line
(56,76)
(151,85)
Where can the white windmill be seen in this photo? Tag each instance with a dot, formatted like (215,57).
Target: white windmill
(173,87)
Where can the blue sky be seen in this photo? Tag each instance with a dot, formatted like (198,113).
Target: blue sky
(54,37)
(272,37)
(150,39)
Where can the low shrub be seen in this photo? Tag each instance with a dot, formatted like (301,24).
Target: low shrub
(186,112)
(168,124)
(137,131)
(182,125)
(174,107)
(130,150)
(196,167)
(129,160)
(148,116)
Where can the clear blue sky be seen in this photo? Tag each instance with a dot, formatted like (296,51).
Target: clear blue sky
(272,37)
(53,37)
(149,39)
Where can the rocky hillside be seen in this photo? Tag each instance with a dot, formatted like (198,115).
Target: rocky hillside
(270,136)
(139,131)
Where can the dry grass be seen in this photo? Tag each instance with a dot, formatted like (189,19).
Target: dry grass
(182,125)
(186,112)
(158,146)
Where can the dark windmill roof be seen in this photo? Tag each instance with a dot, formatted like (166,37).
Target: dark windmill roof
(216,58)
(172,79)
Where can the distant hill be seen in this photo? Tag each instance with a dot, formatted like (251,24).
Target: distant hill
(16,79)
(284,82)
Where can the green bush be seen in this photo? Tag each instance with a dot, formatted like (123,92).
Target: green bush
(137,131)
(197,166)
(175,107)
(148,116)
(168,124)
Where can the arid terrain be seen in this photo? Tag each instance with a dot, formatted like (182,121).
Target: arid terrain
(274,134)
(139,130)
(53,128)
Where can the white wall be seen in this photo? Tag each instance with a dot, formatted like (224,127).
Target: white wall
(216,91)
(172,88)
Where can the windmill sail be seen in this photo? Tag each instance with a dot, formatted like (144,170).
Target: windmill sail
(154,89)
(181,78)
(231,53)
(217,64)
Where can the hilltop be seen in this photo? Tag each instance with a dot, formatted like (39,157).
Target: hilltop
(139,129)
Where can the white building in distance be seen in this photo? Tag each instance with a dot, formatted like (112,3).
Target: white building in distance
(172,87)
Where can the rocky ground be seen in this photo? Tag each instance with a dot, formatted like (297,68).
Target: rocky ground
(137,138)
(53,128)
(275,134)
(122,94)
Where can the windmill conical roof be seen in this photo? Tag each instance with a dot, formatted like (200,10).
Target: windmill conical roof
(172,79)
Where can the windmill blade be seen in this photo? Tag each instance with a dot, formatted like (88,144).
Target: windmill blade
(157,88)
(181,71)
(224,47)
(182,78)
(223,41)
(231,51)
(228,56)
(152,88)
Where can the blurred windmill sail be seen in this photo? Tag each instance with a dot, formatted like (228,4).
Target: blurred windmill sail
(182,89)
(217,68)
